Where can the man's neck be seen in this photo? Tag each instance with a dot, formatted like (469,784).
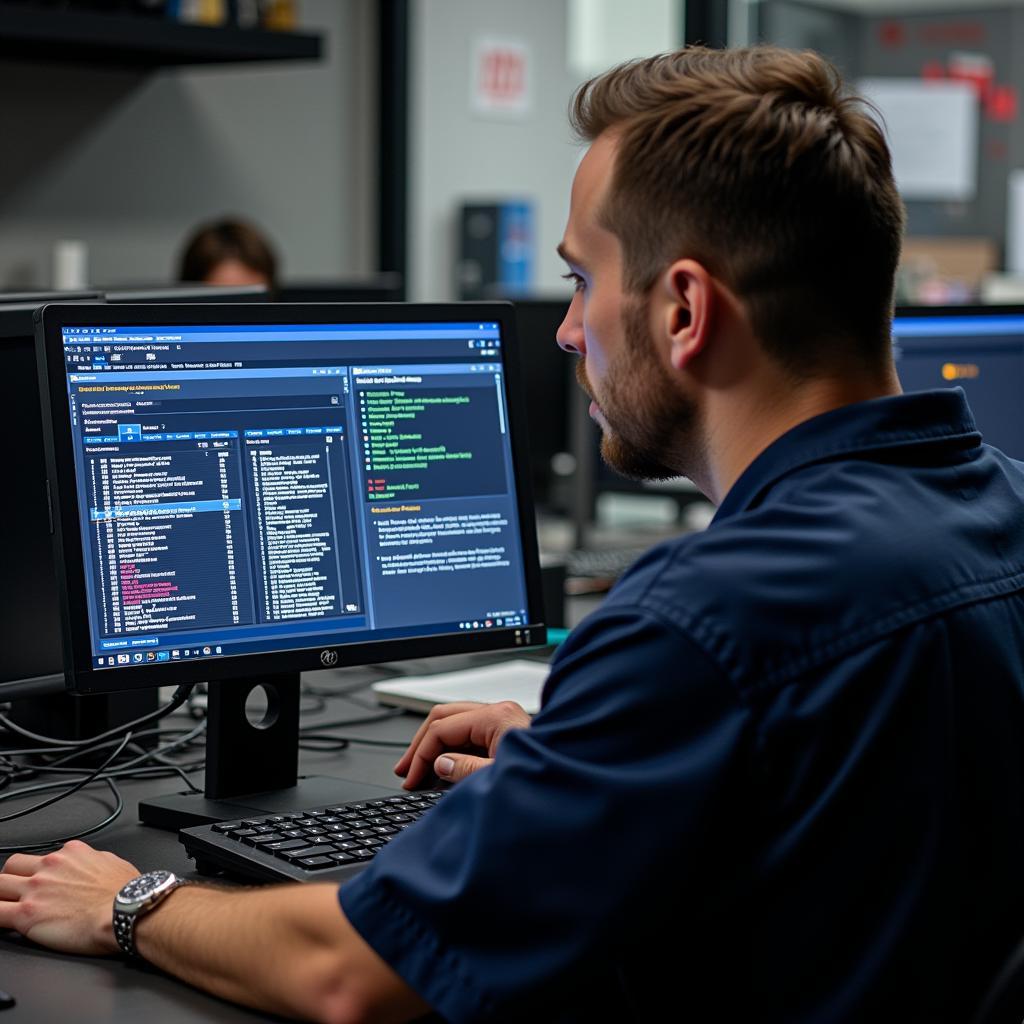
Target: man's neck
(738,428)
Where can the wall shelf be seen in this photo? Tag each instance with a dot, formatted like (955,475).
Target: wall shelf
(137,42)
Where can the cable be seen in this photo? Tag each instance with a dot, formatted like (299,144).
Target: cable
(73,789)
(367,743)
(380,716)
(135,767)
(61,840)
(181,694)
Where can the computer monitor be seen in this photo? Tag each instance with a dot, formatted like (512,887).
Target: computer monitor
(384,287)
(30,625)
(175,293)
(247,492)
(29,633)
(977,348)
(548,375)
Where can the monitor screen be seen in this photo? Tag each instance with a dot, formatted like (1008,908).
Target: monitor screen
(311,488)
(980,349)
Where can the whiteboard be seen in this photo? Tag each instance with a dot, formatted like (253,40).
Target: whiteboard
(932,130)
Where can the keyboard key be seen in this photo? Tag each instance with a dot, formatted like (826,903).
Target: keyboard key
(308,851)
(398,818)
(226,826)
(343,858)
(286,844)
(263,839)
(305,822)
(385,830)
(362,833)
(316,863)
(241,833)
(320,840)
(294,833)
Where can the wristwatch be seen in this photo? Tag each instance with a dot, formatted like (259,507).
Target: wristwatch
(139,897)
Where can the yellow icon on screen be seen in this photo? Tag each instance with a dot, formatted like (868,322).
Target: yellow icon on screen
(960,371)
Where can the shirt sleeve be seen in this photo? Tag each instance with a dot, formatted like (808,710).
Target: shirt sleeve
(524,877)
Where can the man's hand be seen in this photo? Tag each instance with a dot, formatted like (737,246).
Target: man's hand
(65,899)
(457,739)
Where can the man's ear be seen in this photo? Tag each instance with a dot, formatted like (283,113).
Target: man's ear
(688,296)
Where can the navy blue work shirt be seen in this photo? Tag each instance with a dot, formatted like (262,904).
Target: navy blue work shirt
(777,776)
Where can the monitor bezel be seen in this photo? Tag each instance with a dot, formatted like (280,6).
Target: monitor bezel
(81,675)
(1011,309)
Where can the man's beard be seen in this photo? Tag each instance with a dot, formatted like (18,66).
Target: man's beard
(652,426)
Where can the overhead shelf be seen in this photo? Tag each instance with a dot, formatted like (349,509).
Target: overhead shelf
(121,40)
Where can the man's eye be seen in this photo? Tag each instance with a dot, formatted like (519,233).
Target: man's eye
(577,281)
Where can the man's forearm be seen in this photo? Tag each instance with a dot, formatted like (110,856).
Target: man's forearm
(288,949)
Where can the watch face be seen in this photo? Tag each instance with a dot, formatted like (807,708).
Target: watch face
(142,887)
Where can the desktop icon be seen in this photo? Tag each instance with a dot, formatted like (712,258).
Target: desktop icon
(123,659)
(150,656)
(206,650)
(137,657)
(162,656)
(175,654)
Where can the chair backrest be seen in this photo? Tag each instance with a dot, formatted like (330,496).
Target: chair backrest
(1004,1001)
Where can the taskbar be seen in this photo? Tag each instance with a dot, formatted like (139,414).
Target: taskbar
(164,650)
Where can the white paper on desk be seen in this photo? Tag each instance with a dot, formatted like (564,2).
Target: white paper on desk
(519,680)
(1015,224)
(932,131)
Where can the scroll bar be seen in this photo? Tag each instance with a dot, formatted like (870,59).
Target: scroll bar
(501,402)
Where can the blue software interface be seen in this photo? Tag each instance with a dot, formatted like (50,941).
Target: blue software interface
(263,488)
(983,353)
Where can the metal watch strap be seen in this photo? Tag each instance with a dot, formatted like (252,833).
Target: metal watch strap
(124,932)
(125,920)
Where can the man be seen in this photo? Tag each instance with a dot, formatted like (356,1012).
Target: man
(776,775)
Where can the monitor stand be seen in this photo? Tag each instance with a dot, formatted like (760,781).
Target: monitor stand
(252,768)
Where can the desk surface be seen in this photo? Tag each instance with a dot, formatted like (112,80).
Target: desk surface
(51,988)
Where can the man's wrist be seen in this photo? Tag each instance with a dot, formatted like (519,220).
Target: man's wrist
(138,899)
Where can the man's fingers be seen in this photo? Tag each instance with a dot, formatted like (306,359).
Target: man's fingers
(452,732)
(453,767)
(22,864)
(436,713)
(13,887)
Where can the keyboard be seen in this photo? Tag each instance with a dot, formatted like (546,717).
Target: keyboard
(325,844)
(606,564)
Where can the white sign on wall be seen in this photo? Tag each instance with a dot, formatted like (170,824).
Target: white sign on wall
(932,130)
(1015,224)
(500,72)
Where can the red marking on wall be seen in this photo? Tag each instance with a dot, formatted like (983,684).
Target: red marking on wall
(892,34)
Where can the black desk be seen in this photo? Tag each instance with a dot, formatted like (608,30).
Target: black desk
(55,989)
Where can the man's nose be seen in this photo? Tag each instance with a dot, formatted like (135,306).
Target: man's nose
(570,334)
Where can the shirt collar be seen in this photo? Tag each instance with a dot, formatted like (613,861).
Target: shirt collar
(924,417)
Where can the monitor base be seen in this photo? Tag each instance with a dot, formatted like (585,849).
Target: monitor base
(183,810)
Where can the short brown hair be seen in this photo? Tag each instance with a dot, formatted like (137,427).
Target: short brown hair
(755,163)
(227,239)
